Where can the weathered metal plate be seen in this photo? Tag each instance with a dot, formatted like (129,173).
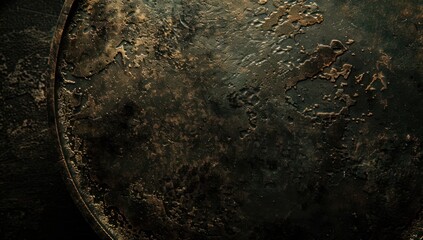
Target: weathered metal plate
(234,119)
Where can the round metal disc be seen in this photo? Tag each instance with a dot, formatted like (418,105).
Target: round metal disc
(257,119)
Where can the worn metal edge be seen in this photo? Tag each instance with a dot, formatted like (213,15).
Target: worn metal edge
(90,217)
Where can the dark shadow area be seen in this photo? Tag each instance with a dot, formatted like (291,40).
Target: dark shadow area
(34,202)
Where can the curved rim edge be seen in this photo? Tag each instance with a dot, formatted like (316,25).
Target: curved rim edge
(75,193)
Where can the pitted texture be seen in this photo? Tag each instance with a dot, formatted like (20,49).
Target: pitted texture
(231,120)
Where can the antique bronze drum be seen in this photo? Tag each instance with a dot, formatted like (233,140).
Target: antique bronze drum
(255,119)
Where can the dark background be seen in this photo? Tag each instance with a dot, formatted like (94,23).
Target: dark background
(34,202)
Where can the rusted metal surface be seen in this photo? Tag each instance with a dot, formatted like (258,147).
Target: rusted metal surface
(243,119)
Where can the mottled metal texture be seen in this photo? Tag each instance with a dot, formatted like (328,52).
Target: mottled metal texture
(244,119)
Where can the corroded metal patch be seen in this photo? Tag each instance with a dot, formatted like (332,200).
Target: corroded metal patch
(228,119)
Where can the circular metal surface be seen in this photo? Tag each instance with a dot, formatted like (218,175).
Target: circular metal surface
(237,119)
